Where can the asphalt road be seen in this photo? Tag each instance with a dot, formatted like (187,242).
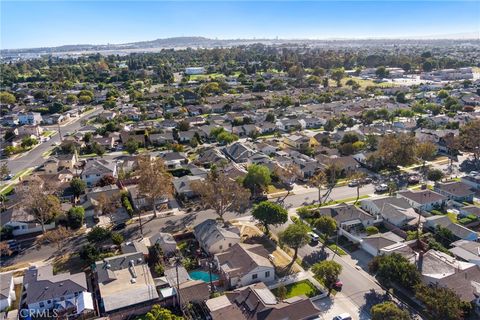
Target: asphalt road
(34,158)
(179,222)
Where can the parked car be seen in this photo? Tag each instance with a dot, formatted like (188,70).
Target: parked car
(353,183)
(119,226)
(9,177)
(343,316)
(313,236)
(381,188)
(413,179)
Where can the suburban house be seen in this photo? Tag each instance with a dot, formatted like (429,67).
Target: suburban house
(348,216)
(63,292)
(238,152)
(435,265)
(396,211)
(459,231)
(173,159)
(472,179)
(244,264)
(124,282)
(465,250)
(141,202)
(183,188)
(166,242)
(375,243)
(456,191)
(7,292)
(95,169)
(215,237)
(298,142)
(256,301)
(22,222)
(159,139)
(31,118)
(425,200)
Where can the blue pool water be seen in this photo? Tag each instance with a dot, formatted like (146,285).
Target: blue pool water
(202,275)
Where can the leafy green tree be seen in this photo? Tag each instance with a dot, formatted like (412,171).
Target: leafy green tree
(326,226)
(444,236)
(78,186)
(269,213)
(257,178)
(441,303)
(426,151)
(328,271)
(395,268)
(434,175)
(98,234)
(28,142)
(381,72)
(7,98)
(76,216)
(131,145)
(388,311)
(89,253)
(159,313)
(295,236)
(226,137)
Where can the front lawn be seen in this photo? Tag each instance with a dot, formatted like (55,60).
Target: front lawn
(303,287)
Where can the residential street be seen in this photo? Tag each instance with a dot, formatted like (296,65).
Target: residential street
(34,158)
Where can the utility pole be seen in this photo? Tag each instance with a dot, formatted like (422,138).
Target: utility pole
(60,132)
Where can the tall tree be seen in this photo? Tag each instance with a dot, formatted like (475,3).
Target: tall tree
(359,178)
(78,186)
(426,151)
(269,213)
(257,179)
(318,180)
(397,149)
(441,303)
(469,137)
(327,227)
(295,236)
(39,201)
(395,268)
(155,181)
(4,171)
(159,313)
(221,193)
(328,271)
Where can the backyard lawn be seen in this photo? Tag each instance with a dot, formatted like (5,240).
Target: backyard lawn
(303,287)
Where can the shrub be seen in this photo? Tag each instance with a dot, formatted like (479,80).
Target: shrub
(371,230)
(75,217)
(98,234)
(117,238)
(159,269)
(126,204)
(89,253)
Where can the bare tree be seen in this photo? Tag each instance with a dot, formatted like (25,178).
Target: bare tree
(58,236)
(39,200)
(221,193)
(5,249)
(155,181)
(106,205)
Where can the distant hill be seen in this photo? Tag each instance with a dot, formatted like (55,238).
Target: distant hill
(202,42)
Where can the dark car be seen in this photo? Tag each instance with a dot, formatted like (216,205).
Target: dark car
(119,226)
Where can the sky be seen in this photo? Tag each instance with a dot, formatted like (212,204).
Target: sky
(26,24)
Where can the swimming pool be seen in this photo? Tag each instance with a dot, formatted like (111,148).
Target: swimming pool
(202,275)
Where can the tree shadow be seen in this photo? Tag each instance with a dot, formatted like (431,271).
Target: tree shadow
(314,257)
(372,298)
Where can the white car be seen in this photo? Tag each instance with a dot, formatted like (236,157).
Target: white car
(381,188)
(313,236)
(343,316)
